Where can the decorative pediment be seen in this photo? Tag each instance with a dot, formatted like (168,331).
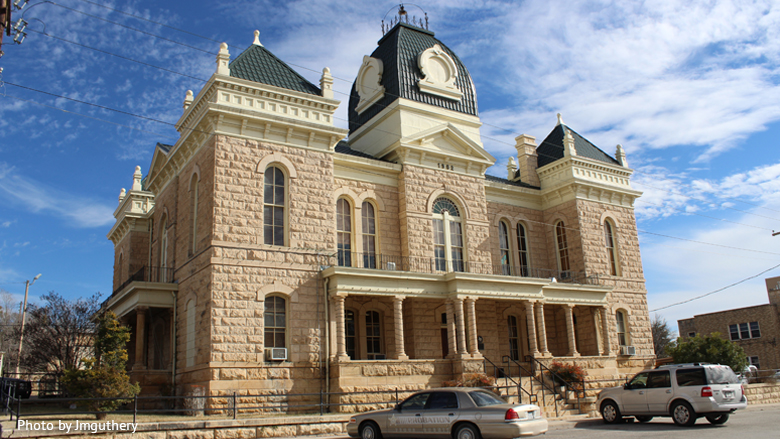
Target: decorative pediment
(448,140)
(368,84)
(439,73)
(158,160)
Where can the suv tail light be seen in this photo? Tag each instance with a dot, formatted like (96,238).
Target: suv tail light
(706,392)
(511,415)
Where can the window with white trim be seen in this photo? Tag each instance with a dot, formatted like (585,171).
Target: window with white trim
(744,331)
(622,326)
(275,322)
(369,235)
(503,248)
(344,232)
(562,246)
(273,206)
(448,236)
(611,245)
(522,250)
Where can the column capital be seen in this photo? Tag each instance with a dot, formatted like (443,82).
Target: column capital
(339,297)
(399,298)
(570,305)
(141,308)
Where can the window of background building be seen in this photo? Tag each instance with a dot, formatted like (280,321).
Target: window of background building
(273,206)
(754,362)
(744,331)
(448,236)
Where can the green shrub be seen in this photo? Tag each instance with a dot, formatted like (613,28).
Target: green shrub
(562,373)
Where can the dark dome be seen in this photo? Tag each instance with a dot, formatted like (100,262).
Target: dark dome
(398,50)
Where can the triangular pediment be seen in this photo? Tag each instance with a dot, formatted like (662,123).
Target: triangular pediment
(159,159)
(449,141)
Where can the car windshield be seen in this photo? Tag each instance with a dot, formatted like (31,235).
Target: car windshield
(721,375)
(483,398)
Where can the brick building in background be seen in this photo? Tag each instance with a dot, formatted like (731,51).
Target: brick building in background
(755,328)
(263,251)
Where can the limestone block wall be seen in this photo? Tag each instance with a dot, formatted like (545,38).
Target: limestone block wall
(424,323)
(536,235)
(586,331)
(130,255)
(566,212)
(591,223)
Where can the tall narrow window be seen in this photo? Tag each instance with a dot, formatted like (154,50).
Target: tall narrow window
(164,250)
(503,245)
(194,213)
(563,246)
(611,248)
(350,333)
(275,319)
(448,236)
(344,232)
(373,336)
(514,345)
(622,335)
(273,206)
(369,235)
(522,250)
(190,336)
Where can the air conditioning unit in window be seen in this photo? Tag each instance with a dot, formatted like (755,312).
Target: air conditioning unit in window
(627,350)
(391,266)
(276,354)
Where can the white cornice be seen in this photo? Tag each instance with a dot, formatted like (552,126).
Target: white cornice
(132,213)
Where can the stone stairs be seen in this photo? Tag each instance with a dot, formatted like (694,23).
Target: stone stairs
(554,405)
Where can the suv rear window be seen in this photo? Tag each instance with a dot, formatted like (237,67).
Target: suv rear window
(691,377)
(721,375)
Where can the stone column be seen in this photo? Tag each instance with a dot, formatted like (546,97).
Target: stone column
(531,326)
(451,327)
(398,315)
(605,332)
(140,337)
(461,326)
(341,335)
(471,315)
(542,329)
(570,331)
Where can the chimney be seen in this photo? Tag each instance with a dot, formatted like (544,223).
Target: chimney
(527,159)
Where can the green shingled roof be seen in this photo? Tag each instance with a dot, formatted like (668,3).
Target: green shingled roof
(257,64)
(551,149)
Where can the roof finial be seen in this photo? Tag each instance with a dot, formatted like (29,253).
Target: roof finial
(560,119)
(257,38)
(402,16)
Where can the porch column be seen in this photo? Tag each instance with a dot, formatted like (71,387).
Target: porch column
(531,326)
(542,329)
(140,337)
(398,314)
(471,314)
(341,338)
(570,331)
(605,332)
(451,337)
(460,326)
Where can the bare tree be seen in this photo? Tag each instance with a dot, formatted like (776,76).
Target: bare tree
(59,334)
(662,335)
(9,327)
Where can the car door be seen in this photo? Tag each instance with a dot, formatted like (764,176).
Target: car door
(658,392)
(406,420)
(440,414)
(633,397)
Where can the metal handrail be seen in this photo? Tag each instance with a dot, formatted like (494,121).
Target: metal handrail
(531,395)
(558,378)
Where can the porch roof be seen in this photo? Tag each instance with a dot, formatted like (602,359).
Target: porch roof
(149,294)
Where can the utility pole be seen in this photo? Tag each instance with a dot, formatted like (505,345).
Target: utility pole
(5,21)
(24,313)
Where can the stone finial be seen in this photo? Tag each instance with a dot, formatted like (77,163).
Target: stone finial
(223,60)
(560,120)
(188,98)
(568,144)
(137,179)
(122,194)
(326,83)
(620,156)
(511,168)
(256,42)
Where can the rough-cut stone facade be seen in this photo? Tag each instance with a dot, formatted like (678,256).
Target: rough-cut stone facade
(406,322)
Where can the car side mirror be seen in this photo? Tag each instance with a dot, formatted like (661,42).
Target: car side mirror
(627,386)
(397,407)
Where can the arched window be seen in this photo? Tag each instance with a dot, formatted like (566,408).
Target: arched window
(622,326)
(503,246)
(514,338)
(190,336)
(609,238)
(164,250)
(522,250)
(448,236)
(273,206)
(563,246)
(369,235)
(350,329)
(344,232)
(275,319)
(373,336)
(194,212)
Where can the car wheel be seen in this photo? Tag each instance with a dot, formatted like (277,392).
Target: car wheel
(370,430)
(610,413)
(718,419)
(683,414)
(644,419)
(466,431)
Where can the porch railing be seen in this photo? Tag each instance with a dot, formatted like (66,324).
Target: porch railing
(577,387)
(378,261)
(148,274)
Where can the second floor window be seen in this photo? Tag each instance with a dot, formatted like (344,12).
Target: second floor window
(344,232)
(522,250)
(447,236)
(622,334)
(503,245)
(609,237)
(369,235)
(273,206)
(562,246)
(744,331)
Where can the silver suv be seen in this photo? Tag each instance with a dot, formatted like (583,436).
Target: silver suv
(683,391)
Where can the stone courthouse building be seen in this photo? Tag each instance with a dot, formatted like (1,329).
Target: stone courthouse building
(268,249)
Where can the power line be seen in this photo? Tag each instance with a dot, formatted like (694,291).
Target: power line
(706,243)
(715,291)
(702,215)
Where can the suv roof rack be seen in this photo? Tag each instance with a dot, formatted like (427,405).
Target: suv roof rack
(672,366)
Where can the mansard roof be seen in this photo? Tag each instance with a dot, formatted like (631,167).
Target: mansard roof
(343,148)
(551,149)
(258,64)
(398,50)
(495,179)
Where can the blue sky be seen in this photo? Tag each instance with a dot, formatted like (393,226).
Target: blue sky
(691,89)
